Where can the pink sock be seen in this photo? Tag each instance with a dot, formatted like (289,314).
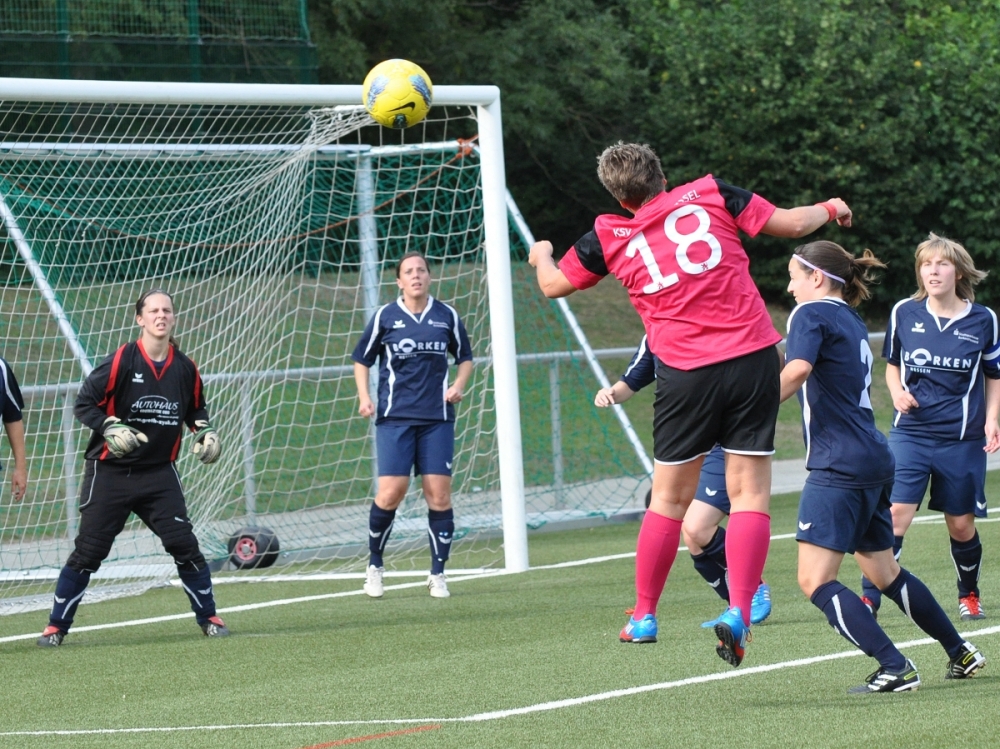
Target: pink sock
(655,552)
(748,536)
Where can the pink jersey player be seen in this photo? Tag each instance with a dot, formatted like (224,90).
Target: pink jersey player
(687,274)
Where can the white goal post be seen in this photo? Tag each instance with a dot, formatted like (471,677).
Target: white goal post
(73,102)
(276,215)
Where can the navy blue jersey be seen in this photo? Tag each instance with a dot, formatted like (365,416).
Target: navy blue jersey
(843,447)
(157,399)
(11,402)
(942,363)
(412,352)
(641,371)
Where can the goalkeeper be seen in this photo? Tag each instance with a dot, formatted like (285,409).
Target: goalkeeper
(138,401)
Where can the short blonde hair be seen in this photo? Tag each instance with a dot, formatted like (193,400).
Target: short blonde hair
(631,172)
(966,275)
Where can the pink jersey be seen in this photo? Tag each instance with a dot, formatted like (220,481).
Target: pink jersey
(686,272)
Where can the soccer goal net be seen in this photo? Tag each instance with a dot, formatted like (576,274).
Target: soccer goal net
(275,216)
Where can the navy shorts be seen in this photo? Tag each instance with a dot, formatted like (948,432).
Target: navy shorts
(733,403)
(424,448)
(956,470)
(712,481)
(845,519)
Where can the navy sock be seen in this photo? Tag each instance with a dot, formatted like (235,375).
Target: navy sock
(711,564)
(198,586)
(918,603)
(968,557)
(440,528)
(868,588)
(379,528)
(851,619)
(69,591)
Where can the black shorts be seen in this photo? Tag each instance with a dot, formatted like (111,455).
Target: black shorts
(111,493)
(734,403)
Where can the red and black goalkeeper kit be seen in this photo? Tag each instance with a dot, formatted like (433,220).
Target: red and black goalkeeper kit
(156,400)
(136,474)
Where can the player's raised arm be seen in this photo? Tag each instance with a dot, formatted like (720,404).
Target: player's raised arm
(551,279)
(798,222)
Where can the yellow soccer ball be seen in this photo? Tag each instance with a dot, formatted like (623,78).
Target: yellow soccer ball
(397,93)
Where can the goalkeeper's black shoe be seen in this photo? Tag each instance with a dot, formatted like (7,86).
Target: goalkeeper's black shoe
(52,637)
(214,627)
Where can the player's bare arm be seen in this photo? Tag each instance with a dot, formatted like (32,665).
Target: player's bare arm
(457,390)
(19,476)
(617,393)
(798,222)
(902,400)
(992,414)
(551,280)
(794,374)
(365,405)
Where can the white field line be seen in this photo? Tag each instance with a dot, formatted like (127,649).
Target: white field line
(501,714)
(474,575)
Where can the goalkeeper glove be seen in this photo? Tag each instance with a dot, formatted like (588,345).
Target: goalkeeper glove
(121,439)
(207,446)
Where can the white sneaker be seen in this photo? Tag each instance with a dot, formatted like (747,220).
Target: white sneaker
(438,586)
(373,581)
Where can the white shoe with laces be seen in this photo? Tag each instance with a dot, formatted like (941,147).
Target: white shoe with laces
(373,581)
(438,586)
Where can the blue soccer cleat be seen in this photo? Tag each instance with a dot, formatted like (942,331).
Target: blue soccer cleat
(733,637)
(640,631)
(760,606)
(710,624)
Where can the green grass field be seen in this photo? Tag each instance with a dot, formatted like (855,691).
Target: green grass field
(509,660)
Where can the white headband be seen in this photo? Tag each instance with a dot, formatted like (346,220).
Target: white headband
(814,267)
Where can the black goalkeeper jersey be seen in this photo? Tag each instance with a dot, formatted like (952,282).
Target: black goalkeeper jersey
(158,401)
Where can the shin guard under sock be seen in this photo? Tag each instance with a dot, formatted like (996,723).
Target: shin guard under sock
(919,604)
(868,588)
(69,591)
(747,539)
(968,558)
(440,528)
(655,552)
(198,586)
(850,618)
(379,528)
(711,564)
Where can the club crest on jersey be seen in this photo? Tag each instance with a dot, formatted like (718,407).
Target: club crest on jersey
(622,232)
(398,324)
(918,327)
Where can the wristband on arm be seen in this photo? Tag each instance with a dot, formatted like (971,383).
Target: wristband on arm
(830,209)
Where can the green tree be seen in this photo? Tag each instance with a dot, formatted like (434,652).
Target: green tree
(890,104)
